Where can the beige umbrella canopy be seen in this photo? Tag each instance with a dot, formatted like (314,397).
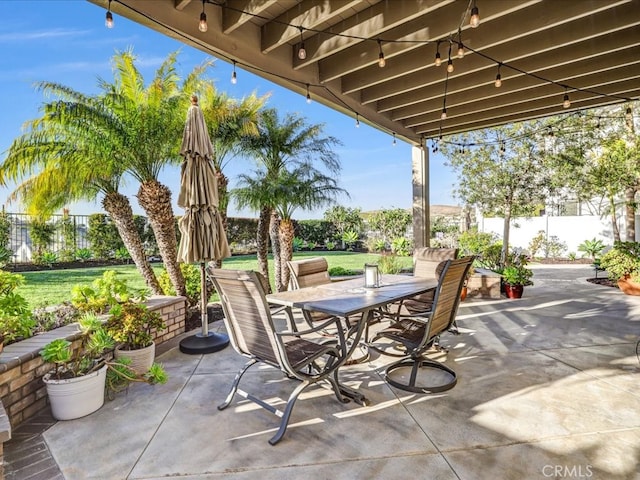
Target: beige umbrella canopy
(202,233)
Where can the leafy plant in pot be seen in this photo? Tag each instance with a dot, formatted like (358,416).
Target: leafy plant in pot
(76,385)
(515,277)
(622,264)
(132,324)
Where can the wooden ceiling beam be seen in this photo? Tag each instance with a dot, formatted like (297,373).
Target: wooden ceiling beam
(236,13)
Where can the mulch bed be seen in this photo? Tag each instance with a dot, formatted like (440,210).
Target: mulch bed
(194,321)
(603,281)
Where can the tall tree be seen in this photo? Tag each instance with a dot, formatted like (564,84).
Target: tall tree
(155,120)
(281,145)
(302,188)
(75,151)
(505,178)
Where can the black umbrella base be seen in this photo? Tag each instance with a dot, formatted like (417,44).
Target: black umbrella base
(198,344)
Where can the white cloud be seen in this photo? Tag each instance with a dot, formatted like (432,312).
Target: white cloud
(24,36)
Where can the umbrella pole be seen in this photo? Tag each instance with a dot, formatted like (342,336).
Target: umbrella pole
(206,341)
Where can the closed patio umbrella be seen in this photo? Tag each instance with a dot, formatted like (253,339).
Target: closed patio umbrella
(202,234)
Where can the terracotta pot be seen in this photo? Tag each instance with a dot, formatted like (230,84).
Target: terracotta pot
(463,293)
(628,286)
(513,291)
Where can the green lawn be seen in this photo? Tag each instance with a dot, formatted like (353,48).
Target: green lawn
(54,286)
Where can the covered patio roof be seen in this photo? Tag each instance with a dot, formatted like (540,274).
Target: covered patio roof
(543,50)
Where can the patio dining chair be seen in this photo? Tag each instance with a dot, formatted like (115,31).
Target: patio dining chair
(253,334)
(309,272)
(419,332)
(427,263)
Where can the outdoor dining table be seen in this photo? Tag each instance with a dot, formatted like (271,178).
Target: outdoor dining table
(350,300)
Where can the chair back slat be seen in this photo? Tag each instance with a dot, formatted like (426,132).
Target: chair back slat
(447,296)
(308,272)
(247,315)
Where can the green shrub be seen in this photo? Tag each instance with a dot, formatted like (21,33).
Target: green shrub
(517,275)
(298,243)
(104,293)
(341,272)
(591,248)
(122,254)
(83,254)
(350,238)
(48,259)
(401,246)
(622,260)
(16,321)
(192,280)
(330,245)
(390,264)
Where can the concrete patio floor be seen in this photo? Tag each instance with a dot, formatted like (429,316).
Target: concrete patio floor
(547,388)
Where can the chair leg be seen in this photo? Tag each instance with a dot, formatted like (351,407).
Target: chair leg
(234,385)
(287,412)
(415,365)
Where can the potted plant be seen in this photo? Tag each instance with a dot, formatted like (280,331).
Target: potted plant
(465,285)
(76,385)
(622,264)
(515,277)
(131,324)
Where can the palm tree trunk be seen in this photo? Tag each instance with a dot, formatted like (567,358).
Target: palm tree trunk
(155,199)
(119,209)
(286,248)
(223,203)
(262,240)
(274,227)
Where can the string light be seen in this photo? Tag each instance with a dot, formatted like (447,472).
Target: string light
(357,121)
(394,139)
(108,21)
(302,53)
(474,21)
(627,114)
(234,77)
(443,116)
(566,103)
(202,26)
(498,82)
(381,61)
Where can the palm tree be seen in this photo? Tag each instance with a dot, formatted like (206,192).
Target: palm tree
(228,121)
(155,121)
(305,188)
(74,152)
(281,145)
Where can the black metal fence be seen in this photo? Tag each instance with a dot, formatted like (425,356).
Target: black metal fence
(22,245)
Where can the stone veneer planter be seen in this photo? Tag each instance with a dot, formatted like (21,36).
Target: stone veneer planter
(22,391)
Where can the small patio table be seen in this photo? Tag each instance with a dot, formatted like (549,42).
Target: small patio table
(350,298)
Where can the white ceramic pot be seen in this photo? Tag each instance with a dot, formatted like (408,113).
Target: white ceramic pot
(76,397)
(141,359)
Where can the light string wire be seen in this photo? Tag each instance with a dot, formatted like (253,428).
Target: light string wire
(448,38)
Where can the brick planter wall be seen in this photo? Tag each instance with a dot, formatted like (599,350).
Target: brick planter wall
(22,391)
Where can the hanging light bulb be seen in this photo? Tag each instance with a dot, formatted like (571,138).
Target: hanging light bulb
(308,94)
(357,121)
(234,77)
(108,21)
(460,50)
(449,61)
(443,116)
(394,139)
(598,123)
(498,82)
(302,53)
(566,103)
(474,21)
(438,60)
(628,115)
(202,26)
(381,61)
(450,66)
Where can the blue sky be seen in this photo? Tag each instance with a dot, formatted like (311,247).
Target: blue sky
(67,42)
